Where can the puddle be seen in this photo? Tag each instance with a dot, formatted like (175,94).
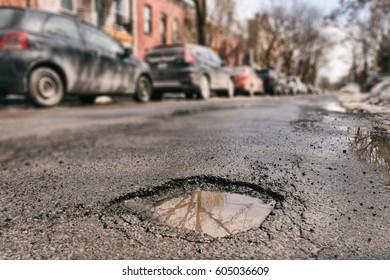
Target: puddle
(373,146)
(215,213)
(185,207)
(334,107)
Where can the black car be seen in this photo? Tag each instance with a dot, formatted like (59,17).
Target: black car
(372,82)
(46,55)
(189,68)
(270,81)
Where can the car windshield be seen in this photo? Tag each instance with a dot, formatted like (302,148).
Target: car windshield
(9,17)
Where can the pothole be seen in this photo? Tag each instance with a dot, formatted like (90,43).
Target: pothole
(204,205)
(305,123)
(9,154)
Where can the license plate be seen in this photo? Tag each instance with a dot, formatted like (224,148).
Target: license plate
(162,66)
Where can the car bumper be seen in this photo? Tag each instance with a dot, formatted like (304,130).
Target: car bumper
(13,69)
(187,83)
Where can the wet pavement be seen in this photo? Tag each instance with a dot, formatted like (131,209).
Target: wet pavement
(87,182)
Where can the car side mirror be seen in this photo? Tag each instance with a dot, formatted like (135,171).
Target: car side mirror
(127,52)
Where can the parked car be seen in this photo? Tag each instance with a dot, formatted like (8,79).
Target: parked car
(46,56)
(311,89)
(188,68)
(351,88)
(295,86)
(372,82)
(270,81)
(246,81)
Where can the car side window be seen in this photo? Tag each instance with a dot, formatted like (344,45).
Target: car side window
(215,58)
(99,39)
(62,27)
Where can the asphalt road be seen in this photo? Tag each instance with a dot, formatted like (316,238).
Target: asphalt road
(67,172)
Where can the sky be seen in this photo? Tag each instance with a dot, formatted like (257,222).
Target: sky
(247,8)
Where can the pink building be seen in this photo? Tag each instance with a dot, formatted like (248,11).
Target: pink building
(158,22)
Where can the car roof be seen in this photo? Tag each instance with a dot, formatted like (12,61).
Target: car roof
(37,11)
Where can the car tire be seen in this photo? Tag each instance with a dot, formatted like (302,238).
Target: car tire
(204,88)
(46,88)
(143,90)
(251,91)
(87,99)
(230,90)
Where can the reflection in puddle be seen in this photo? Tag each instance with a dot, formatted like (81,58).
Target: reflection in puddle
(334,107)
(215,213)
(372,146)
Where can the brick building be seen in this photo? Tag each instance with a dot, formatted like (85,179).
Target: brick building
(19,3)
(159,22)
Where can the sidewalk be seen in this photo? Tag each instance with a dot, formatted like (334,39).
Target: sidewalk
(364,103)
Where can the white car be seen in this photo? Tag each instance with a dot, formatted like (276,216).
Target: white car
(295,86)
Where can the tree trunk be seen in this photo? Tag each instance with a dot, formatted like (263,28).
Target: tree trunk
(201,16)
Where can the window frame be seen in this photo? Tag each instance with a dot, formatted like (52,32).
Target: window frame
(163,28)
(148,21)
(175,30)
(66,10)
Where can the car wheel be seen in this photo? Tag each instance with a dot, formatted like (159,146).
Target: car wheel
(87,99)
(204,89)
(46,88)
(251,91)
(230,89)
(143,90)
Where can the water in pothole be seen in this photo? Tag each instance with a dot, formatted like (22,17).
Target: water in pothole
(334,106)
(215,213)
(373,146)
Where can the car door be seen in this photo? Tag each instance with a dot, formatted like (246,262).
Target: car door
(62,40)
(213,68)
(112,71)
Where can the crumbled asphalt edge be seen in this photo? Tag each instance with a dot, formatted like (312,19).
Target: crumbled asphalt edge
(146,197)
(309,118)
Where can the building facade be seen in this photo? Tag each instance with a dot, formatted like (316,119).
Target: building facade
(159,22)
(144,24)
(19,3)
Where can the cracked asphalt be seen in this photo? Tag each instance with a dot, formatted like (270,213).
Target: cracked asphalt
(64,173)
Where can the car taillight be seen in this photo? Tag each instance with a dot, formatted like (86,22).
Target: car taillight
(16,40)
(188,58)
(242,77)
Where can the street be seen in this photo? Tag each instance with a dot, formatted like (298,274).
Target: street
(67,173)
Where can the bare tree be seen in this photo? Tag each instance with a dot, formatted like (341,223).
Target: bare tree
(225,32)
(371,33)
(201,19)
(293,34)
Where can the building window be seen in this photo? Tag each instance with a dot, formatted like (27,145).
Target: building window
(147,19)
(120,12)
(175,29)
(68,5)
(163,28)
